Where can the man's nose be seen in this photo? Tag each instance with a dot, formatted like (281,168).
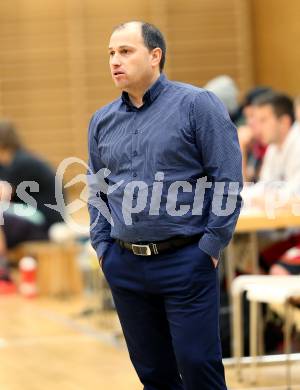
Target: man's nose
(115,60)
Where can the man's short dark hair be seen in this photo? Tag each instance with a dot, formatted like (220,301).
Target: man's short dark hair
(152,37)
(254,94)
(282,104)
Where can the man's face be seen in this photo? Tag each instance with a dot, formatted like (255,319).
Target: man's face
(5,156)
(129,59)
(248,112)
(266,124)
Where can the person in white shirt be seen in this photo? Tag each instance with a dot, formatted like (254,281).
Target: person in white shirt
(274,116)
(275,121)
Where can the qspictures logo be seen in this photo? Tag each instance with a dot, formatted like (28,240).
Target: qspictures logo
(137,196)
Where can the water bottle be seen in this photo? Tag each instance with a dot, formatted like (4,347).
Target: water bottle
(28,277)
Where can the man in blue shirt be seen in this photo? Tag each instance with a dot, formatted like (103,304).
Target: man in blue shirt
(164,177)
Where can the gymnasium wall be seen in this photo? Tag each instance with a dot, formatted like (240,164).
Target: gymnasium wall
(54,64)
(276,44)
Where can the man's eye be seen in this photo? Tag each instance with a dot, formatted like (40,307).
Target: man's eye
(125,51)
(111,53)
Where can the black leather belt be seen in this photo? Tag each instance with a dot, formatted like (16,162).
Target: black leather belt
(154,248)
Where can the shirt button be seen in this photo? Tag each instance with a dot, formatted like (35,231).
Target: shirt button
(134,174)
(135,153)
(136,132)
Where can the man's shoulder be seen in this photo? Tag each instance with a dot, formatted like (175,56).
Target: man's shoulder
(197,95)
(292,144)
(27,163)
(295,133)
(271,154)
(108,108)
(186,89)
(23,156)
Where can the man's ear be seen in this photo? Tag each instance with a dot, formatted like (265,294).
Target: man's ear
(286,121)
(156,56)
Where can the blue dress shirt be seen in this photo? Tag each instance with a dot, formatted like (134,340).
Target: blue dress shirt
(185,133)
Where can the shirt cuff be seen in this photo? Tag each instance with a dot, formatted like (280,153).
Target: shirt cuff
(102,248)
(211,246)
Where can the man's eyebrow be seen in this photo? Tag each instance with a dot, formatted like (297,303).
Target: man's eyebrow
(121,47)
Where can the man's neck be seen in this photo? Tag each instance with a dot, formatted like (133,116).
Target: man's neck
(283,137)
(136,94)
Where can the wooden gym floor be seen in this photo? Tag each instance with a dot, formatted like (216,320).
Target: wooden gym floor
(46,344)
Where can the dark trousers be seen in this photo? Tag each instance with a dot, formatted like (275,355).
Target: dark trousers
(168,307)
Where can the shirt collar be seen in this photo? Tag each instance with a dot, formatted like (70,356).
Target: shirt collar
(150,95)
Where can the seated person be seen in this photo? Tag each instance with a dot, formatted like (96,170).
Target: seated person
(289,262)
(252,148)
(274,117)
(17,166)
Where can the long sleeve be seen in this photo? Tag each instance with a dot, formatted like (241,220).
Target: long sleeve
(100,227)
(218,144)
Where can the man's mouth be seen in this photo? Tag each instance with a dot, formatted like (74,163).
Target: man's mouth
(118,73)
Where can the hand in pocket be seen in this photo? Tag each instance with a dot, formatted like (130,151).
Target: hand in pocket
(214,261)
(100,259)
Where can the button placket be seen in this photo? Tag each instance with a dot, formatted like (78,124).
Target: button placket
(135,162)
(134,152)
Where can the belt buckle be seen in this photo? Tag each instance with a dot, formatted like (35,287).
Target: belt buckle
(141,250)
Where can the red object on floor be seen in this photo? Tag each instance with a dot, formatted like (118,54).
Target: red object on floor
(7,287)
(28,282)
